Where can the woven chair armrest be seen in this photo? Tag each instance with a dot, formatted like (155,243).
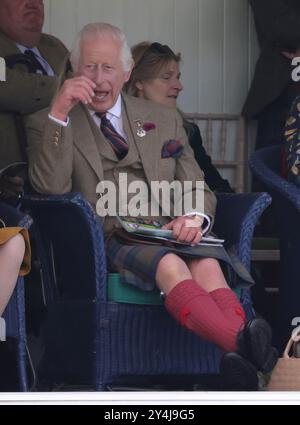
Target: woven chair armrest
(13,217)
(236,218)
(272,179)
(36,204)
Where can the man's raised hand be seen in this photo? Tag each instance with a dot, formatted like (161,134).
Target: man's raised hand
(73,91)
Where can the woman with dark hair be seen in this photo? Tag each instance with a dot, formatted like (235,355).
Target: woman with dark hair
(156,77)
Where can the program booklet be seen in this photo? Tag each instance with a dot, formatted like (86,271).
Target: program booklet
(154,229)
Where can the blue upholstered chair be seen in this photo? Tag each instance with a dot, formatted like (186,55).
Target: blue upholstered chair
(90,340)
(14,314)
(265,165)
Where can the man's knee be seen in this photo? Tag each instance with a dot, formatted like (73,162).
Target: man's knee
(171,270)
(204,263)
(171,263)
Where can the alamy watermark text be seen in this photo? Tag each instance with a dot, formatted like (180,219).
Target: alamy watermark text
(161,198)
(2,69)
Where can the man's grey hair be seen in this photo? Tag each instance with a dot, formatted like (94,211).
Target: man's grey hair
(101,29)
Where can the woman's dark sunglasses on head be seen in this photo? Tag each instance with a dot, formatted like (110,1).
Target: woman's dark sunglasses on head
(161,49)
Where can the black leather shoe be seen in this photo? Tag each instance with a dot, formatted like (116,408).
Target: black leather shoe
(237,374)
(254,344)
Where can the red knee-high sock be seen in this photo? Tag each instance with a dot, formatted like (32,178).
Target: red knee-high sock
(230,306)
(195,309)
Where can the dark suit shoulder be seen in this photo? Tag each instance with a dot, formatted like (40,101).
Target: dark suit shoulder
(212,176)
(51,42)
(7,46)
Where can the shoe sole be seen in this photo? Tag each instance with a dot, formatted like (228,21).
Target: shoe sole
(258,340)
(238,374)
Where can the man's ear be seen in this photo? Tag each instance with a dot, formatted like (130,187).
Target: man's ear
(127,76)
(139,85)
(128,73)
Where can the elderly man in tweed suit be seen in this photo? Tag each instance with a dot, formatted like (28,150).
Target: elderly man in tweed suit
(92,133)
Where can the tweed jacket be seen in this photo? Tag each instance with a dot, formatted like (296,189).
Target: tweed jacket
(278,28)
(24,93)
(64,159)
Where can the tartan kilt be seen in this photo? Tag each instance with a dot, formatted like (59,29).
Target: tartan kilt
(137,264)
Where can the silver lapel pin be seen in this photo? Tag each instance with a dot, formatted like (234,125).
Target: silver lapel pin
(140,131)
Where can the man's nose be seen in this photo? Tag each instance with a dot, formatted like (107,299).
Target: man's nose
(34,3)
(98,77)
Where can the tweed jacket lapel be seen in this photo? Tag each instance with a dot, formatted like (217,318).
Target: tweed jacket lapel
(149,147)
(85,139)
(145,145)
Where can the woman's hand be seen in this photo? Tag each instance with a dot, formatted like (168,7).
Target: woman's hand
(291,55)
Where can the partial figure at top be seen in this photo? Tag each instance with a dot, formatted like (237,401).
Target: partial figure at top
(272,90)
(33,61)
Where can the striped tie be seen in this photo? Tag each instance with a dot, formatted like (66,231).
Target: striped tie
(38,66)
(117,142)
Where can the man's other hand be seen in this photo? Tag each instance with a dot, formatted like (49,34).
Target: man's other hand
(186,229)
(11,187)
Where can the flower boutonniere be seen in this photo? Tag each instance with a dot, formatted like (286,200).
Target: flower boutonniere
(148,126)
(172,149)
(143,128)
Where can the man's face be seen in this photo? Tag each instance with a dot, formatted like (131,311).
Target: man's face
(22,20)
(101,62)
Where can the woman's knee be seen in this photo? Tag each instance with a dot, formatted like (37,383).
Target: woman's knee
(14,248)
